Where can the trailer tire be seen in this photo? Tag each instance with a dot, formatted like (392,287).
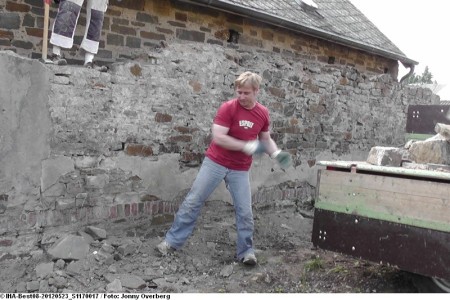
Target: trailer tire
(431,285)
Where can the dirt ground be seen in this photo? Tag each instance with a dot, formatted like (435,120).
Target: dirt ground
(287,261)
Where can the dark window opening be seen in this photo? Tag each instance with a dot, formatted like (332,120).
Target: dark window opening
(331,60)
(234,36)
(386,70)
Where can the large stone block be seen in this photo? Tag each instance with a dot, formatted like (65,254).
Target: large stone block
(430,151)
(385,156)
(70,247)
(443,130)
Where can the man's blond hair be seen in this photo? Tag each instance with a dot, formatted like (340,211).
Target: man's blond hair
(248,78)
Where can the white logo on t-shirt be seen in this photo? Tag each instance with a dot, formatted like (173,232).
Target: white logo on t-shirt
(246,124)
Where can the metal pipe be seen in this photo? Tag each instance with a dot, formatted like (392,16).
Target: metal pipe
(411,71)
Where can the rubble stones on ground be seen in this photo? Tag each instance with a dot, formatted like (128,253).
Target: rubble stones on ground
(127,280)
(60,264)
(70,247)
(21,287)
(227,271)
(282,254)
(114,287)
(96,233)
(44,269)
(76,267)
(129,247)
(32,286)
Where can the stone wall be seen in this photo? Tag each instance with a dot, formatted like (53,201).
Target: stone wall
(80,146)
(133,27)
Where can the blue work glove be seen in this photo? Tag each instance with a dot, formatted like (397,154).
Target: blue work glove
(254,148)
(283,158)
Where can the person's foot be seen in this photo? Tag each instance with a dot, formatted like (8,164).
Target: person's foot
(58,60)
(91,65)
(164,248)
(249,259)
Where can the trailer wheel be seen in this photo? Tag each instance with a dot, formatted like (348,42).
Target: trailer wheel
(442,284)
(431,285)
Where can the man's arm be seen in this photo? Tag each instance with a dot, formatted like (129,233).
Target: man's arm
(283,158)
(221,138)
(269,144)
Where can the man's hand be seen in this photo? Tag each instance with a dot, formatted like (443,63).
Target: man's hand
(283,158)
(254,148)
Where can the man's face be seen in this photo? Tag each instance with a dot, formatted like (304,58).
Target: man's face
(246,96)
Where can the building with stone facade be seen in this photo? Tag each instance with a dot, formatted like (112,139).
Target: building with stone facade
(331,32)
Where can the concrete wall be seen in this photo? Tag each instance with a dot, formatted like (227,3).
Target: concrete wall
(25,127)
(132,27)
(79,146)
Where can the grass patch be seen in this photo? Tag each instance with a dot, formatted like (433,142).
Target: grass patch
(339,269)
(314,264)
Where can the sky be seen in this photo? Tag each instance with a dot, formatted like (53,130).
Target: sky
(420,29)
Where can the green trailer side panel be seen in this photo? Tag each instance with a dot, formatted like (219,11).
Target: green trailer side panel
(406,201)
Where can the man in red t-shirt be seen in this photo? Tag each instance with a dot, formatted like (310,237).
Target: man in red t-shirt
(240,130)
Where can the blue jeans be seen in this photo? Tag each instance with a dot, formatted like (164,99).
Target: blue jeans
(209,177)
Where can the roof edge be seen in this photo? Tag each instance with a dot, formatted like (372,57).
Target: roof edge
(282,22)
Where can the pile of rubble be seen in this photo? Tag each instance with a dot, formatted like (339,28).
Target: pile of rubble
(430,154)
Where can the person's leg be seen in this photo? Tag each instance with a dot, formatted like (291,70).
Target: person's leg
(238,183)
(209,177)
(95,14)
(65,22)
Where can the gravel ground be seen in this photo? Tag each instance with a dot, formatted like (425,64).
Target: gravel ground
(126,261)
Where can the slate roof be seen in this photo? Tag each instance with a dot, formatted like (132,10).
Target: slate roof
(335,20)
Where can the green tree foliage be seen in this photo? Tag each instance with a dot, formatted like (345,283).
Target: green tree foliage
(425,78)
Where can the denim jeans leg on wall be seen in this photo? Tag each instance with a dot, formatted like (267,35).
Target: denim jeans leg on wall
(208,178)
(238,183)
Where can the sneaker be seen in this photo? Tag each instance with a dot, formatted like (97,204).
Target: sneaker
(58,60)
(91,65)
(164,248)
(249,259)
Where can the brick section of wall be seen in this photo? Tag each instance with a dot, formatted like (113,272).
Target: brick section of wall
(131,27)
(89,214)
(296,195)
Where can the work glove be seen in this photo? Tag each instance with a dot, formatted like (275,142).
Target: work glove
(254,148)
(283,158)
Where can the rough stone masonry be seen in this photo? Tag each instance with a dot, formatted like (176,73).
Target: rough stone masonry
(79,146)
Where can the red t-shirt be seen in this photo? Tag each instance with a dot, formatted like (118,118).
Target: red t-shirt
(244,125)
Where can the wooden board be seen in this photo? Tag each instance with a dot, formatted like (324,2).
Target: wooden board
(420,203)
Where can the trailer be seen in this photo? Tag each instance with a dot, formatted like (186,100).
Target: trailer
(388,215)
